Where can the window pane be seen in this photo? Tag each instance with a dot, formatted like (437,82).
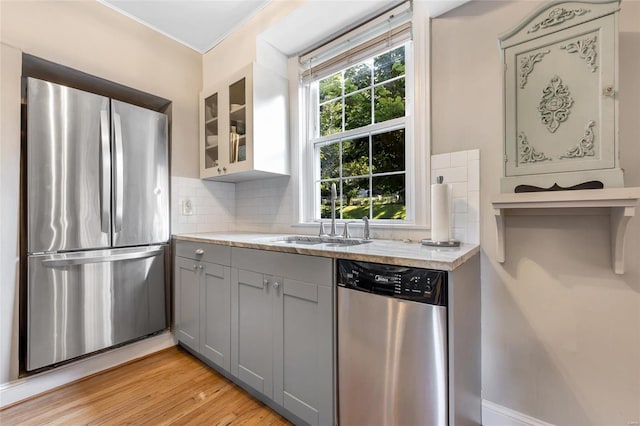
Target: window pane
(330,161)
(389,197)
(355,157)
(331,118)
(389,65)
(355,198)
(357,110)
(330,87)
(388,152)
(325,199)
(357,77)
(389,100)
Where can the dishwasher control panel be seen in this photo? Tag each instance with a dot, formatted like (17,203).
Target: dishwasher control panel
(402,282)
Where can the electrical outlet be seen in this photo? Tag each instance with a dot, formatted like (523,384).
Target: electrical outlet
(187,208)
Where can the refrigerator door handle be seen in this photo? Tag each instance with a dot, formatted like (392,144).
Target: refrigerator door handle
(105,178)
(71,260)
(119,170)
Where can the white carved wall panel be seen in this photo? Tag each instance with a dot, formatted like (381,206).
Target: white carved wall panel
(561,97)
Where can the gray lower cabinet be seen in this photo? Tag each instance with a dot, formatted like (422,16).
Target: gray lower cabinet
(253,306)
(187,300)
(203,301)
(282,330)
(266,318)
(303,353)
(215,313)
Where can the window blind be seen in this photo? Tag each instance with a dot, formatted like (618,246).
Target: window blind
(382,33)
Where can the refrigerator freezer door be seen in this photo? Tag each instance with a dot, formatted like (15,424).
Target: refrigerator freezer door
(86,301)
(140,176)
(68,169)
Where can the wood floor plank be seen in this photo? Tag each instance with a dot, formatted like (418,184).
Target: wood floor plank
(170,387)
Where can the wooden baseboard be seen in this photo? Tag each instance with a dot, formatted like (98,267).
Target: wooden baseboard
(28,387)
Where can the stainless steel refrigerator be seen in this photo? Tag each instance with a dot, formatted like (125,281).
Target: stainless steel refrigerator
(97,215)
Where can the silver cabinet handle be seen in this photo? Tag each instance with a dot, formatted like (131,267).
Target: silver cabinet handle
(199,251)
(105,175)
(195,266)
(276,284)
(266,282)
(119,158)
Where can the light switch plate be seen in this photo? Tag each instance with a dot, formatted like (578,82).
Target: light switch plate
(187,208)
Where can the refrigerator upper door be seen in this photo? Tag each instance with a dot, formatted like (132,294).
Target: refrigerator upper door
(68,168)
(140,176)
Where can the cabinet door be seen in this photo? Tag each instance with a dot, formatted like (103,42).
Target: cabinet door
(251,330)
(303,351)
(215,324)
(240,108)
(211,129)
(560,103)
(187,294)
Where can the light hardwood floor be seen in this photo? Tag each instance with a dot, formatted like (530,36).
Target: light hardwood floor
(170,387)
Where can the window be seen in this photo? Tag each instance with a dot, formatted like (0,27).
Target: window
(358,131)
(359,138)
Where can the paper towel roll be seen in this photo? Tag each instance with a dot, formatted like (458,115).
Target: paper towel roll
(440,211)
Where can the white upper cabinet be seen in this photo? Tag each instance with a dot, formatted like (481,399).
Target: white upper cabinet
(561,98)
(244,127)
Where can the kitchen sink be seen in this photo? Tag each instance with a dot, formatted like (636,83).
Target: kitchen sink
(313,240)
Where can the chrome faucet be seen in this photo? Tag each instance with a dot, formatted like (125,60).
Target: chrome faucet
(322,232)
(366,228)
(334,196)
(345,232)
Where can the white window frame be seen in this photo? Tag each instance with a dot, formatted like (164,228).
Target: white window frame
(404,122)
(417,139)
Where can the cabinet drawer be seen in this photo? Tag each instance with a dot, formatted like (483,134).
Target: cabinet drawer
(206,252)
(310,269)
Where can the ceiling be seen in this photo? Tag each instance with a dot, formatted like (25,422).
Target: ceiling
(199,24)
(202,24)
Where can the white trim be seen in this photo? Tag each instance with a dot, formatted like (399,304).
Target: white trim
(497,415)
(29,386)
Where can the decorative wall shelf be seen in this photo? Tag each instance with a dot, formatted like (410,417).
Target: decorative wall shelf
(619,202)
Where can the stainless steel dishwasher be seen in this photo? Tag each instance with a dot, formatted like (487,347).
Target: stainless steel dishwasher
(392,345)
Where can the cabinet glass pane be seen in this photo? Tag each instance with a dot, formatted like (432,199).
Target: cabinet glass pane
(211,131)
(237,122)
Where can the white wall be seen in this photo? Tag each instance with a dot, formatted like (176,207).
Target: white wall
(560,331)
(90,37)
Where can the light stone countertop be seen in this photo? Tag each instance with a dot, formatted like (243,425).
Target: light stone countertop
(380,251)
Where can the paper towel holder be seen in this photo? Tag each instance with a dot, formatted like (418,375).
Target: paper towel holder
(432,243)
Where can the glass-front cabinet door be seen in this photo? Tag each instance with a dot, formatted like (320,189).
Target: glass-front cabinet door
(238,121)
(211,132)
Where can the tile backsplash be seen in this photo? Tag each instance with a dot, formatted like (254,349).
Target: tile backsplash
(267,205)
(461,169)
(213,205)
